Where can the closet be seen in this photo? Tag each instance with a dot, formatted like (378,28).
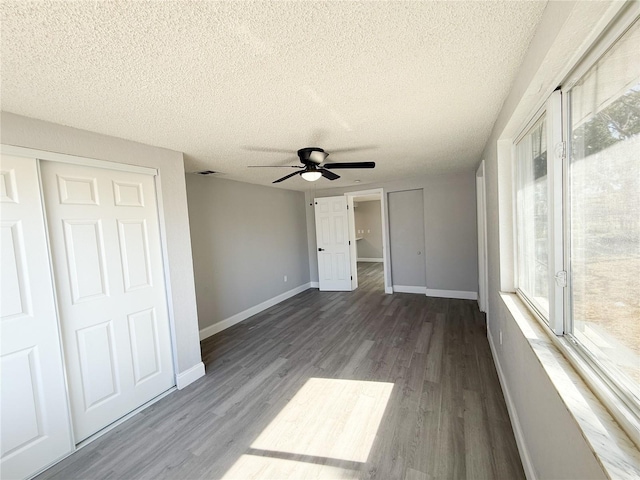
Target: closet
(84,323)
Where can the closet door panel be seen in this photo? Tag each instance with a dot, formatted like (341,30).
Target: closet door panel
(105,239)
(35,427)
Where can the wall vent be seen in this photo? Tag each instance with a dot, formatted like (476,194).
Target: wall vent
(206,172)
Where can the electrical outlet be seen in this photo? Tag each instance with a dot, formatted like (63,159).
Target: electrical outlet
(285,279)
(500,337)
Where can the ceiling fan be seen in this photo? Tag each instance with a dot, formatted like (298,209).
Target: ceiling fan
(314,167)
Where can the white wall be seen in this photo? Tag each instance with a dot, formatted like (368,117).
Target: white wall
(30,133)
(553,444)
(245,238)
(451,251)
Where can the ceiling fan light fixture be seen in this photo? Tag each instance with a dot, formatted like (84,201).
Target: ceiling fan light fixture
(311,176)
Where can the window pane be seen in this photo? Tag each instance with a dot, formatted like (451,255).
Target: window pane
(532,217)
(604,178)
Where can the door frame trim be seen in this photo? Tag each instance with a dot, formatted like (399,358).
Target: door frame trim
(73,159)
(386,261)
(481,206)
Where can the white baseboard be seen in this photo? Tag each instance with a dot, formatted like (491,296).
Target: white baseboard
(366,259)
(527,465)
(189,376)
(409,289)
(314,284)
(452,294)
(388,289)
(249,312)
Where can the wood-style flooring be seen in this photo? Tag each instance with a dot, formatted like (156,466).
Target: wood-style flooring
(326,385)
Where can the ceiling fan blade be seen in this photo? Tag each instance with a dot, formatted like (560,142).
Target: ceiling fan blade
(287,176)
(354,149)
(328,175)
(331,166)
(265,149)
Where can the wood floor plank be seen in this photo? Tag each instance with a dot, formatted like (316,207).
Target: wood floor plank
(436,349)
(450,447)
(326,385)
(478,454)
(429,413)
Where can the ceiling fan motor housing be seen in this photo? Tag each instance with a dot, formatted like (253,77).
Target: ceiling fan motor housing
(313,155)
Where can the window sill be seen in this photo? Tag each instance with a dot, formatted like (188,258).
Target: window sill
(612,447)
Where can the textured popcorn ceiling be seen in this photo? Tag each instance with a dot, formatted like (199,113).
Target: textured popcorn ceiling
(421,83)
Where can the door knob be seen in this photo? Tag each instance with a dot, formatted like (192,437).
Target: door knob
(321,249)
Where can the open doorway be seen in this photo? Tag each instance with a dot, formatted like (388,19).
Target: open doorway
(368,240)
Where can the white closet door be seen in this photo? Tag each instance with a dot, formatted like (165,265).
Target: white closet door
(103,227)
(35,420)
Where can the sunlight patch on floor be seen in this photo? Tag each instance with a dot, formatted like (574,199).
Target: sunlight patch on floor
(329,418)
(326,427)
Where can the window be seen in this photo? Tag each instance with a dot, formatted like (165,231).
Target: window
(532,208)
(577,214)
(604,214)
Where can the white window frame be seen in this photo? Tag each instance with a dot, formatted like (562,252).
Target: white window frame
(556,150)
(530,302)
(620,402)
(552,110)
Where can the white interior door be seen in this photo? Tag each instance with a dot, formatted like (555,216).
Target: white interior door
(332,236)
(104,234)
(407,241)
(35,419)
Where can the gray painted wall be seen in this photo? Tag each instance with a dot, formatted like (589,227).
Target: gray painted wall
(245,239)
(368,218)
(554,443)
(406,233)
(31,133)
(451,251)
